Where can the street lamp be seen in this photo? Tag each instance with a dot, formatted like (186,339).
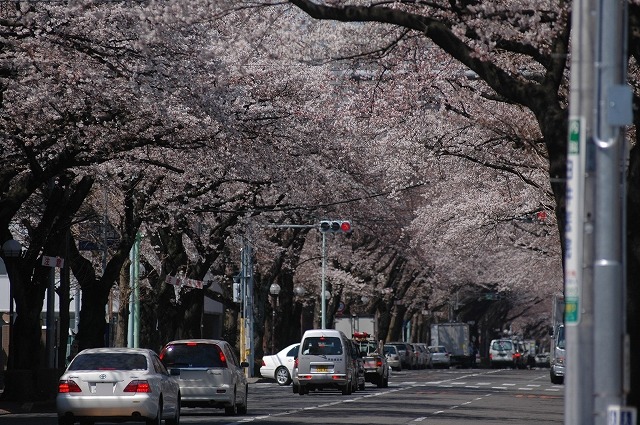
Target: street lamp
(274,290)
(11,249)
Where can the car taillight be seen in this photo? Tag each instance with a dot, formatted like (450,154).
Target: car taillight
(263,363)
(137,387)
(68,386)
(378,363)
(295,362)
(223,359)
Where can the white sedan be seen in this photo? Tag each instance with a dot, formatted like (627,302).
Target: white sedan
(122,384)
(279,366)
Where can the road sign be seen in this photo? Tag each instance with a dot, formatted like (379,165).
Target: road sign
(621,415)
(53,262)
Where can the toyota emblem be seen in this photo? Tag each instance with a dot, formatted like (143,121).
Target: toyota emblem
(103,376)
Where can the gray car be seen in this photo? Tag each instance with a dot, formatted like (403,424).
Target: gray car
(440,357)
(209,374)
(393,357)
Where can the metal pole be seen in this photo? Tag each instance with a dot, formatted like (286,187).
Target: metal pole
(323,298)
(273,327)
(131,298)
(136,292)
(51,310)
(578,296)
(612,112)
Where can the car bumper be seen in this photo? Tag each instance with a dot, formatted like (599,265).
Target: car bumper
(394,363)
(103,406)
(558,370)
(322,379)
(206,396)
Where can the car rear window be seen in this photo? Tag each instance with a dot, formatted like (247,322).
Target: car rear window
(109,361)
(502,345)
(192,355)
(321,345)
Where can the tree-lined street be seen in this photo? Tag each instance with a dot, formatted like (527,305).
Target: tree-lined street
(151,145)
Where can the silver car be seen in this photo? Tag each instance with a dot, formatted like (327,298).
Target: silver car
(117,384)
(393,357)
(440,357)
(209,374)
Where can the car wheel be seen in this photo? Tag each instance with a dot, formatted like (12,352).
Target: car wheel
(283,377)
(158,419)
(242,409)
(361,386)
(346,389)
(303,390)
(232,409)
(296,388)
(176,417)
(65,421)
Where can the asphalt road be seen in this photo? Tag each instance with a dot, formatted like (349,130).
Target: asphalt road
(425,397)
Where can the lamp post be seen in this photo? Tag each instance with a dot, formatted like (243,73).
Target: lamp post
(274,290)
(11,249)
(299,292)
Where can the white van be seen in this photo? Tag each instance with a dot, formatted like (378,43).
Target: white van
(326,359)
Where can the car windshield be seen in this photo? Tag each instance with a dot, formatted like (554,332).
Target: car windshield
(109,361)
(321,345)
(367,347)
(502,345)
(440,349)
(192,355)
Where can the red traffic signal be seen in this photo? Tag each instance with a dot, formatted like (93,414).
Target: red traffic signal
(335,226)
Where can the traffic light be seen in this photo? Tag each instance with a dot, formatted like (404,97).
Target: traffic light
(335,226)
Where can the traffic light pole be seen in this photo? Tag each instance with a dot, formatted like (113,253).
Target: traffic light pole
(325,226)
(323,296)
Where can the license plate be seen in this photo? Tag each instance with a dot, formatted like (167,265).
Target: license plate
(322,369)
(102,388)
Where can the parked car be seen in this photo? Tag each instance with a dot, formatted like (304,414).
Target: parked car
(393,357)
(376,369)
(440,357)
(543,359)
(325,361)
(407,357)
(425,355)
(505,353)
(123,384)
(209,374)
(279,366)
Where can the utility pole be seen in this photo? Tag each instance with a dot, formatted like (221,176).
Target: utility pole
(613,112)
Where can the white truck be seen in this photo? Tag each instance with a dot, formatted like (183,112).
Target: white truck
(557,355)
(352,324)
(455,338)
